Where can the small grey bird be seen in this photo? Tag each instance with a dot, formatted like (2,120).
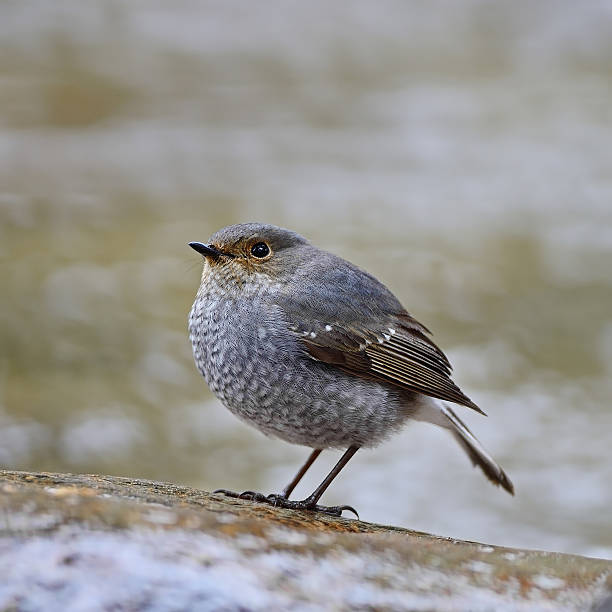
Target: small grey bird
(311,349)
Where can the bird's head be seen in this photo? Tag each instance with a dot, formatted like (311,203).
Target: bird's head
(251,254)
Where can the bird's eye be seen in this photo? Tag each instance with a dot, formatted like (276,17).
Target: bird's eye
(261,249)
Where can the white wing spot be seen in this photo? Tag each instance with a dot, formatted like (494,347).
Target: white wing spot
(313,335)
(391,330)
(328,328)
(387,337)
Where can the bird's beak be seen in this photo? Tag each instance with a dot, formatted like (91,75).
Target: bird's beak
(208,250)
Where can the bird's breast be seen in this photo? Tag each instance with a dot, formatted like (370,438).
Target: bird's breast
(239,345)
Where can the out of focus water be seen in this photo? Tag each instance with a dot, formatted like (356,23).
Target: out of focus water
(459,151)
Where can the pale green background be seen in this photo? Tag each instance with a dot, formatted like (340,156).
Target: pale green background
(460,151)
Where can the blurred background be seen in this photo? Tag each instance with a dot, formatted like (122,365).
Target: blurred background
(460,151)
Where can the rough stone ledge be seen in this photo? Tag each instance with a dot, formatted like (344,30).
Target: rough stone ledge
(86,542)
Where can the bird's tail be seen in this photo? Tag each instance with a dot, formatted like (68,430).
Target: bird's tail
(441,414)
(475,450)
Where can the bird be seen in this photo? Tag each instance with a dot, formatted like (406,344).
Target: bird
(310,348)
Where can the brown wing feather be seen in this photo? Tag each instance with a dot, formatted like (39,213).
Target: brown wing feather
(399,353)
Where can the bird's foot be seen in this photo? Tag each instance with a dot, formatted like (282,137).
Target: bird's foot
(280,501)
(308,504)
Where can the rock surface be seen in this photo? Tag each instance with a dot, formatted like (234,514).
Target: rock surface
(76,542)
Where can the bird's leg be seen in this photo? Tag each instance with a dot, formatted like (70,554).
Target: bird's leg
(310,503)
(273,497)
(311,459)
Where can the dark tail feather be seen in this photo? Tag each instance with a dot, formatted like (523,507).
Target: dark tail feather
(476,452)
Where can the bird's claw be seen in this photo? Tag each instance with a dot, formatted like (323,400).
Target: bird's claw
(346,507)
(336,510)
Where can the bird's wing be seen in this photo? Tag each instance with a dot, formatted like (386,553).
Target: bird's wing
(345,317)
(397,352)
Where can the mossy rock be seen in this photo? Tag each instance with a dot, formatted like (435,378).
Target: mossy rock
(77,542)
